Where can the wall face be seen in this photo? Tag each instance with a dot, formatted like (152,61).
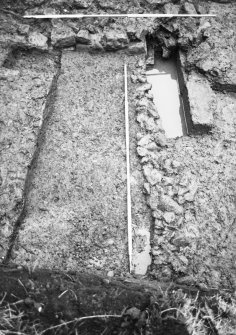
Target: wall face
(75,206)
(111,6)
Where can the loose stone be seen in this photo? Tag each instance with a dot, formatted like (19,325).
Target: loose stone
(152,175)
(145,140)
(169,217)
(38,40)
(83,37)
(145,87)
(62,36)
(168,204)
(137,48)
(142,79)
(110,274)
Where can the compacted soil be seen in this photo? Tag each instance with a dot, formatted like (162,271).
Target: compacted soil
(75,211)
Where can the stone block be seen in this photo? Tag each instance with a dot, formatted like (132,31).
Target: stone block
(96,42)
(137,47)
(152,175)
(83,37)
(62,36)
(82,3)
(115,39)
(150,55)
(189,8)
(170,8)
(38,40)
(168,204)
(113,5)
(169,217)
(146,87)
(200,97)
(157,2)
(145,140)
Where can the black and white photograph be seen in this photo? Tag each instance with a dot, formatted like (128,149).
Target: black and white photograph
(118,167)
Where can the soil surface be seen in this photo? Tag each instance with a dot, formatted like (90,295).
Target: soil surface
(75,213)
(63,176)
(25,83)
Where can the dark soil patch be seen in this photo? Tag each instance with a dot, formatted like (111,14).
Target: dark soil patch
(46,302)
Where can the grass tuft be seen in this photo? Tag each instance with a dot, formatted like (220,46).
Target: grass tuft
(201,315)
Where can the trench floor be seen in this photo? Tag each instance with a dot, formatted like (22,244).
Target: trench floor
(76,214)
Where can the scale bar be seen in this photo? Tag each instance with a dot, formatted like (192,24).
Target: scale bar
(129,217)
(78,16)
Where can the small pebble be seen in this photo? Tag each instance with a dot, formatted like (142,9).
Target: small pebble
(110,274)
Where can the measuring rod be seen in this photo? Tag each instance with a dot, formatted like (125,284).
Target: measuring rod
(129,217)
(74,16)
(71,16)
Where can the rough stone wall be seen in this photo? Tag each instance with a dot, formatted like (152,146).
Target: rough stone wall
(191,191)
(110,6)
(190,181)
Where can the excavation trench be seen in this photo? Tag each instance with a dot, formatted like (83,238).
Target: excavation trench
(163,76)
(76,211)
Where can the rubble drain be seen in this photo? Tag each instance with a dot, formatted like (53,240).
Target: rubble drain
(165,89)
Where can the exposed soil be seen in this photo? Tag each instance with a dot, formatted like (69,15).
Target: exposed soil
(63,171)
(70,205)
(25,83)
(75,212)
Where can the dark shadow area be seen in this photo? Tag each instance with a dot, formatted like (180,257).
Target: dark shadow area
(55,302)
(184,101)
(52,302)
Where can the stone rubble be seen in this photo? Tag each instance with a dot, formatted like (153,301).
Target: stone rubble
(107,6)
(171,194)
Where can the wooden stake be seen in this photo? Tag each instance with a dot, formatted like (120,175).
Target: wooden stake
(130,247)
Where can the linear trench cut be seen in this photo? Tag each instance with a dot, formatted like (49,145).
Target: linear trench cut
(163,76)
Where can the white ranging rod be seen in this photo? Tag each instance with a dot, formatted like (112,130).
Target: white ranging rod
(129,217)
(79,16)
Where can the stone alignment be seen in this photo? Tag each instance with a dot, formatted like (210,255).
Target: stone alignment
(111,6)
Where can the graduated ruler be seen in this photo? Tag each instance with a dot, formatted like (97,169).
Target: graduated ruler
(129,216)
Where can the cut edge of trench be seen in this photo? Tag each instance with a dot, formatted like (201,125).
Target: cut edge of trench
(47,113)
